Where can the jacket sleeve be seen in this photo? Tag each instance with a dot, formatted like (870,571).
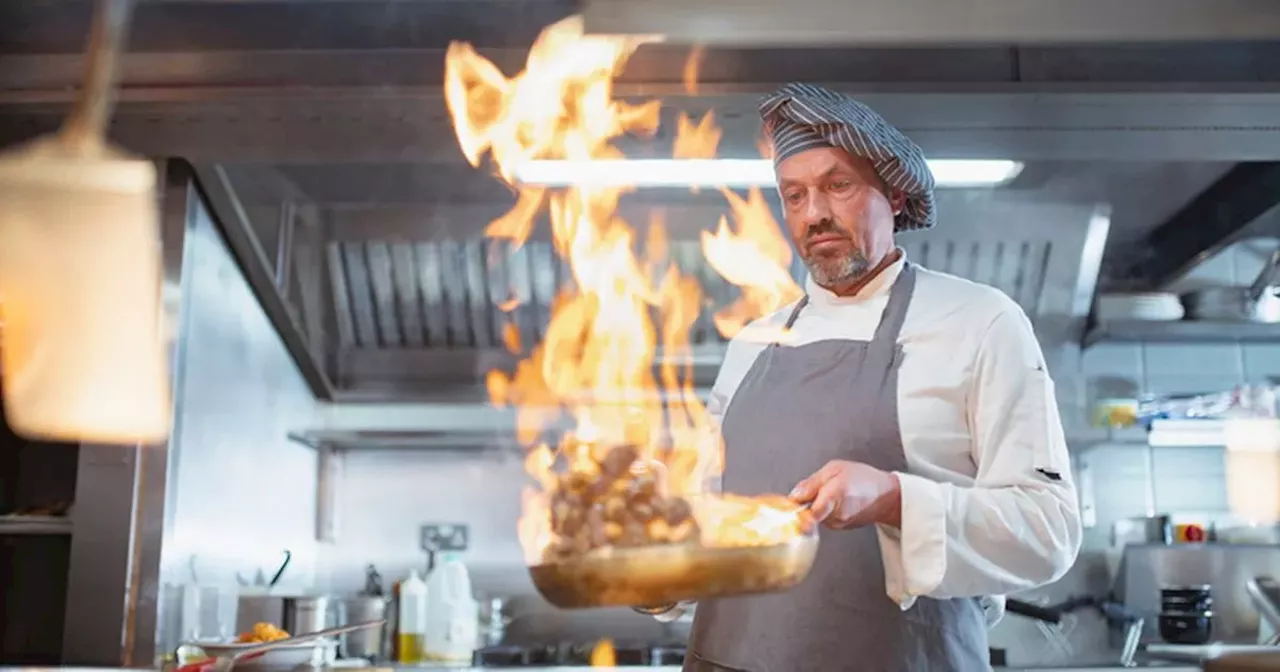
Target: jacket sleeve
(1018,525)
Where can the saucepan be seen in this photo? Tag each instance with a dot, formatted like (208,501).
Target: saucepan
(604,557)
(1256,303)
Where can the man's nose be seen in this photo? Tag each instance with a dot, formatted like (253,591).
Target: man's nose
(818,209)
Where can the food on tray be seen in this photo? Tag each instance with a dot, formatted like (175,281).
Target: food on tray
(615,502)
(262,633)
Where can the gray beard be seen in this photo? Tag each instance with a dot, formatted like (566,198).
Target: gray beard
(831,272)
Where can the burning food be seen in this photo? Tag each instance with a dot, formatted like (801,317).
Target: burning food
(616,503)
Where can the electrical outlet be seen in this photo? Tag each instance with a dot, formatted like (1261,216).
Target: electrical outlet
(439,537)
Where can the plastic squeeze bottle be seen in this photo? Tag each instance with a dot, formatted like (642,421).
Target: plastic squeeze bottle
(411,638)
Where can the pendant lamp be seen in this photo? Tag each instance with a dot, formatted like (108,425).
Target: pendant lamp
(82,353)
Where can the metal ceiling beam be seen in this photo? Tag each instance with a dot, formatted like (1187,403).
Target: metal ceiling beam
(60,27)
(1168,64)
(376,127)
(877,22)
(1217,217)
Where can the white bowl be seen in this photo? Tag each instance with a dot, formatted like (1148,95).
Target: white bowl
(316,652)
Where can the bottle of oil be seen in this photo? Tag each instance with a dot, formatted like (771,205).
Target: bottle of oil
(412,633)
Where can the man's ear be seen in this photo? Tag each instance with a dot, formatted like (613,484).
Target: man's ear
(898,200)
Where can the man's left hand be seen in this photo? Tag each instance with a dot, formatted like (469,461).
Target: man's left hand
(843,495)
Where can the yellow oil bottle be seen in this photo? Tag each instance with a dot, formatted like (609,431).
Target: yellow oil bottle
(412,633)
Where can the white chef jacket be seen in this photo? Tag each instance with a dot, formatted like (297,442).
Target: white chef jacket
(978,418)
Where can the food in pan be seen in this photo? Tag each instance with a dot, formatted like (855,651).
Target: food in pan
(620,501)
(615,502)
(262,633)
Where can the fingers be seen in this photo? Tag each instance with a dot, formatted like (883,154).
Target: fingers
(807,489)
(827,501)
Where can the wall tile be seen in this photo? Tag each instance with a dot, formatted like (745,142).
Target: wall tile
(1261,361)
(1168,359)
(1195,384)
(1183,461)
(1191,493)
(1217,271)
(1121,360)
(1250,256)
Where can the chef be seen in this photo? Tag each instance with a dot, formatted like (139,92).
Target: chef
(911,409)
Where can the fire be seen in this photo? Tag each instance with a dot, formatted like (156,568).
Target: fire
(755,257)
(691,67)
(621,375)
(696,140)
(603,654)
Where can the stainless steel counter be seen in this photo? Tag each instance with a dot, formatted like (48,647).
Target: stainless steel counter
(663,668)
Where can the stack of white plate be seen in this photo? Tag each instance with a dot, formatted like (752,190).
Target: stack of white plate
(1151,306)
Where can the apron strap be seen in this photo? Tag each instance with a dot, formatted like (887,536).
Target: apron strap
(795,313)
(885,341)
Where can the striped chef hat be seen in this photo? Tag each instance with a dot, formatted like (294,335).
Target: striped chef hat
(798,117)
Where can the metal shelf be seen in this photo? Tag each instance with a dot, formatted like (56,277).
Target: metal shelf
(405,440)
(1184,331)
(33,525)
(1091,436)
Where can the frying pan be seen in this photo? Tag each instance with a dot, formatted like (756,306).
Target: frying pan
(669,573)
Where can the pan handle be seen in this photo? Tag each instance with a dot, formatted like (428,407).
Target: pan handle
(1033,611)
(1266,278)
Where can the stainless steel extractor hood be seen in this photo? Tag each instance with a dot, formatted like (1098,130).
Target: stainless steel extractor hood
(904,22)
(424,319)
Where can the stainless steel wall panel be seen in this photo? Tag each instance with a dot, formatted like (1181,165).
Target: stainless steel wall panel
(239,491)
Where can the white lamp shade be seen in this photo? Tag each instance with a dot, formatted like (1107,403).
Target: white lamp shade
(82,351)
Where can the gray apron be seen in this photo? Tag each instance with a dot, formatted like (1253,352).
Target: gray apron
(796,409)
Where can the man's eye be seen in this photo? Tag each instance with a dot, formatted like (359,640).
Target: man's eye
(840,185)
(794,197)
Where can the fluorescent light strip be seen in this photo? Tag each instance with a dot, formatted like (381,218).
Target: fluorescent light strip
(733,173)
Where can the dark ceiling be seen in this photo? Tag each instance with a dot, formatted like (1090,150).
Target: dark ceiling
(342,98)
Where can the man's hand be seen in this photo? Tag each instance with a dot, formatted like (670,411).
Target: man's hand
(843,495)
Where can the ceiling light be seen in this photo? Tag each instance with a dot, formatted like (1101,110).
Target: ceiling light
(733,173)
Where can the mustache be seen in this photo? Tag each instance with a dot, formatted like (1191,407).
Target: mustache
(825,227)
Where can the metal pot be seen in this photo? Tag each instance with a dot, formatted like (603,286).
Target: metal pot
(1256,303)
(369,643)
(296,615)
(1142,530)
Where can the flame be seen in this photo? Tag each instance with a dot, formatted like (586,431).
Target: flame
(596,363)
(696,140)
(755,258)
(603,654)
(691,67)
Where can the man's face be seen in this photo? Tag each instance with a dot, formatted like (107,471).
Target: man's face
(839,214)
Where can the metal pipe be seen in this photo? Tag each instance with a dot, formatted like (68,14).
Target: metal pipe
(1132,635)
(86,127)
